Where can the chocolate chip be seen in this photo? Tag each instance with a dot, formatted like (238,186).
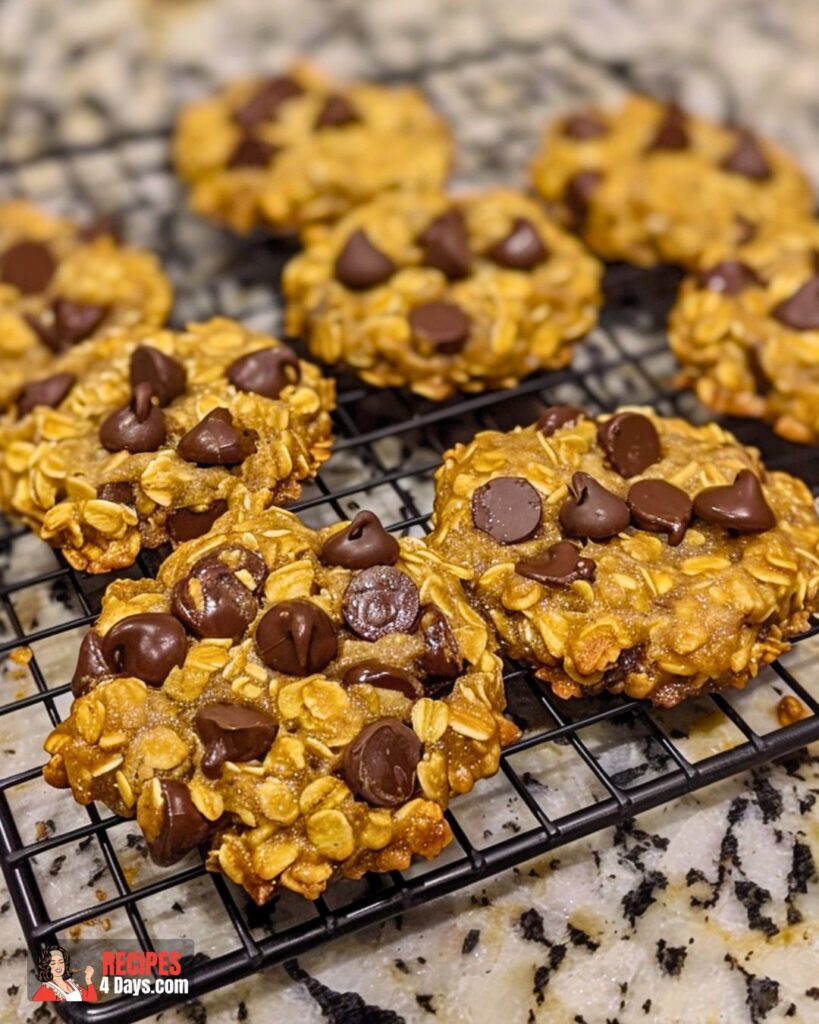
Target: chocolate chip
(360,545)
(380,763)
(592,511)
(559,566)
(166,376)
(672,131)
(121,493)
(147,646)
(232,732)
(729,277)
(558,416)
(297,638)
(660,507)
(336,112)
(214,441)
(762,382)
(630,441)
(138,427)
(104,225)
(181,828)
(380,600)
(508,508)
(521,249)
(264,103)
(267,371)
(214,600)
(49,391)
(383,677)
(739,506)
(442,657)
(579,190)
(584,125)
(360,265)
(747,158)
(441,326)
(68,323)
(185,524)
(801,310)
(91,664)
(28,267)
(251,152)
(446,245)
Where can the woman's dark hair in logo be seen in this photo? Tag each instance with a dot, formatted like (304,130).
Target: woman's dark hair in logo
(44,963)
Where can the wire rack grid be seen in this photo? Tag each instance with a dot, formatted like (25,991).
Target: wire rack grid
(388,444)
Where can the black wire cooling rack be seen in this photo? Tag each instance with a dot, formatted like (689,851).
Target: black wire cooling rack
(389,443)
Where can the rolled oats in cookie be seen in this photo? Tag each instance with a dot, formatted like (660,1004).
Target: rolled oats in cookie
(678,567)
(745,328)
(60,284)
(299,149)
(650,183)
(443,293)
(231,702)
(143,436)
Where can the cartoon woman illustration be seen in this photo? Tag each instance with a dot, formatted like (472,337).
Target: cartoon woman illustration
(54,971)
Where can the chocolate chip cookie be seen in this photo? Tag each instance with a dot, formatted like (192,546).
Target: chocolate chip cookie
(143,435)
(745,328)
(303,702)
(630,553)
(650,184)
(298,149)
(442,293)
(60,284)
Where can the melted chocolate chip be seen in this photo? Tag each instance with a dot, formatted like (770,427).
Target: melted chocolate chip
(739,506)
(214,441)
(337,112)
(584,125)
(630,441)
(592,511)
(801,310)
(49,391)
(69,323)
(579,190)
(508,508)
(167,377)
(442,327)
(729,277)
(181,827)
(747,158)
(28,267)
(146,646)
(383,677)
(559,566)
(296,638)
(360,545)
(660,507)
(380,763)
(138,427)
(521,249)
(185,524)
(446,245)
(252,152)
(360,265)
(380,600)
(91,664)
(263,105)
(213,601)
(265,372)
(558,416)
(442,657)
(672,131)
(231,732)
(120,493)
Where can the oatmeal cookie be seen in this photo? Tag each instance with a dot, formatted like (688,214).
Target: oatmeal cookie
(650,184)
(630,553)
(745,328)
(304,702)
(299,149)
(442,293)
(61,284)
(140,437)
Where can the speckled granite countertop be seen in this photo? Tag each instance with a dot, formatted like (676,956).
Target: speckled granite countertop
(702,911)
